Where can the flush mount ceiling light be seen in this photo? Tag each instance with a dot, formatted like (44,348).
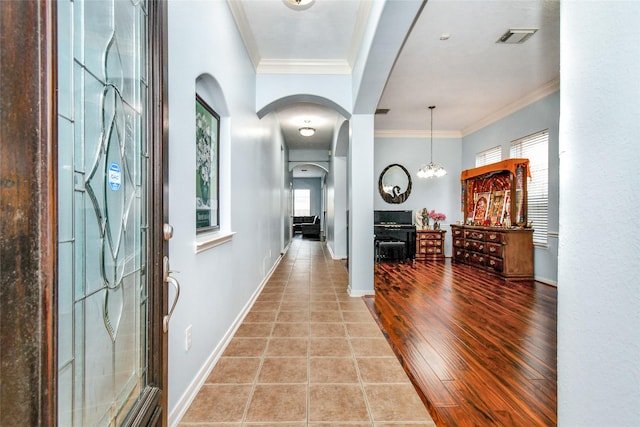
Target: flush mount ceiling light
(307,131)
(299,4)
(516,35)
(431,170)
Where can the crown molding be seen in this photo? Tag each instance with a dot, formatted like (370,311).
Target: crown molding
(397,133)
(237,11)
(311,66)
(364,10)
(547,89)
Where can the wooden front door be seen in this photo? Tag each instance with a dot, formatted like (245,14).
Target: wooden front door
(82,163)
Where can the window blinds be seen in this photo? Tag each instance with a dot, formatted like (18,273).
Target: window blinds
(489,156)
(536,148)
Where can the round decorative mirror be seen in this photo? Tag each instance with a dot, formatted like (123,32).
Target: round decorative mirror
(394,184)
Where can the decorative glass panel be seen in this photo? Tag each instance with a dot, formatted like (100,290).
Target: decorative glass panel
(103,206)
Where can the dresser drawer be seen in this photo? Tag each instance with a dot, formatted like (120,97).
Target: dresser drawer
(476,258)
(475,234)
(434,250)
(494,249)
(495,263)
(430,250)
(430,236)
(474,245)
(493,236)
(430,242)
(457,232)
(458,242)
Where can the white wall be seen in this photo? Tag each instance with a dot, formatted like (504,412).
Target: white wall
(440,194)
(217,284)
(540,115)
(599,253)
(360,202)
(337,207)
(337,192)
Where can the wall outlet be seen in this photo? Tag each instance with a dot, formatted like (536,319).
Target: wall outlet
(187,338)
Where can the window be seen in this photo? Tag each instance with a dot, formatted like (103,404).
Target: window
(301,202)
(536,148)
(489,156)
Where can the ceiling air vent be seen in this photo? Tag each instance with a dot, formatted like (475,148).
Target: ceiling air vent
(382,110)
(516,35)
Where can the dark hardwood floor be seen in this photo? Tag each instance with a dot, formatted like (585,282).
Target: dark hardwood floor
(481,350)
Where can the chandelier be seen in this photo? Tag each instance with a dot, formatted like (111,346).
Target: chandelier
(432,169)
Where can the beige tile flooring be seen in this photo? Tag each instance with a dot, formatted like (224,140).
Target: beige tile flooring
(307,354)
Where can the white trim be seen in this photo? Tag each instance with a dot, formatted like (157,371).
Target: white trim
(329,249)
(547,282)
(399,133)
(359,293)
(245,31)
(359,29)
(547,89)
(333,255)
(192,390)
(211,240)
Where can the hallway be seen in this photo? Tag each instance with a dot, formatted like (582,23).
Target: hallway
(307,354)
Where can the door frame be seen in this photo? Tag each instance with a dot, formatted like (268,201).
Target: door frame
(28,213)
(28,170)
(156,395)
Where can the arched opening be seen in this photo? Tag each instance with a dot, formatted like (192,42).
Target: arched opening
(310,161)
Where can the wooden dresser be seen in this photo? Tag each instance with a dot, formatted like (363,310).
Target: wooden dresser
(508,252)
(430,245)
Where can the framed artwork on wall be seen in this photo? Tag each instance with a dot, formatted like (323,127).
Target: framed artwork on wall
(207,167)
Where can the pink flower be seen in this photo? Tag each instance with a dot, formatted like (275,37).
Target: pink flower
(437,216)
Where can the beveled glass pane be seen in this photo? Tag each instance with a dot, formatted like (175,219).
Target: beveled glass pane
(65,58)
(103,196)
(65,303)
(65,180)
(65,396)
(78,118)
(79,236)
(95,33)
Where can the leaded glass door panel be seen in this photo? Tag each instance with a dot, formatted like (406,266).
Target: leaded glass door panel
(105,288)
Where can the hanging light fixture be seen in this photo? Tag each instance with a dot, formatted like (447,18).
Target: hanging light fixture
(432,169)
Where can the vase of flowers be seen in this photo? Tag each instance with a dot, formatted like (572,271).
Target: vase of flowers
(437,217)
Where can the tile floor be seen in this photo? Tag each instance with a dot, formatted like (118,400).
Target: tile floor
(307,354)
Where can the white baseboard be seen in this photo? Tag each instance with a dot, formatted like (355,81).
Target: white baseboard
(185,401)
(547,282)
(359,292)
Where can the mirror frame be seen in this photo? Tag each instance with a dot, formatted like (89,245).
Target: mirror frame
(394,198)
